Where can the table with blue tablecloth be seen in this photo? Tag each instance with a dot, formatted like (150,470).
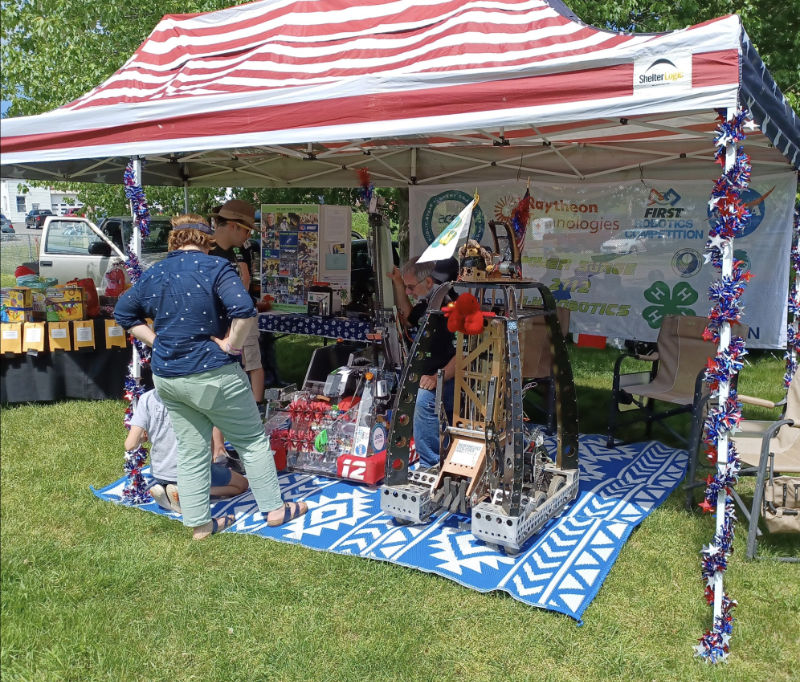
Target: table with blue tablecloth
(349,328)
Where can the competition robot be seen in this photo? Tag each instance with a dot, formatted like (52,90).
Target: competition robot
(494,465)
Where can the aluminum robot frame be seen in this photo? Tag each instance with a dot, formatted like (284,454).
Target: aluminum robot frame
(492,465)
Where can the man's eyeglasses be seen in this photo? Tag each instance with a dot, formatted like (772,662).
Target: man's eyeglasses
(411,287)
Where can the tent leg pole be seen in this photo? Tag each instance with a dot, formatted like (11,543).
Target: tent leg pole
(136,248)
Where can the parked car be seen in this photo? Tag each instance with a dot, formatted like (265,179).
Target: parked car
(36,217)
(6,229)
(5,223)
(636,242)
(73,248)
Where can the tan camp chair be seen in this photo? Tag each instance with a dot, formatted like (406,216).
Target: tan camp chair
(766,449)
(537,363)
(675,376)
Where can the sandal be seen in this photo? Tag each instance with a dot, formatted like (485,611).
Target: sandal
(218,525)
(291,510)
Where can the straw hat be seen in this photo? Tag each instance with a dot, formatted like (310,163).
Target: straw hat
(238,211)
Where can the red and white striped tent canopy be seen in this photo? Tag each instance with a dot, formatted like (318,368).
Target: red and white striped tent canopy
(298,93)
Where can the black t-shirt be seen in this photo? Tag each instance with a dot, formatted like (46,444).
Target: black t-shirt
(442,348)
(237,255)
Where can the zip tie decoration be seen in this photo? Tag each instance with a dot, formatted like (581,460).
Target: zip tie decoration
(729,219)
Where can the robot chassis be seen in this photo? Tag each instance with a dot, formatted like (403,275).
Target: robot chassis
(491,465)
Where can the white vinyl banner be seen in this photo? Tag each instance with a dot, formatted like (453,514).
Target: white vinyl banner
(621,256)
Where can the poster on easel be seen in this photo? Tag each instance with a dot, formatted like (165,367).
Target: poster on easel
(289,253)
(334,252)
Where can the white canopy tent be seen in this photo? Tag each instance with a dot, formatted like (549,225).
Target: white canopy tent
(282,93)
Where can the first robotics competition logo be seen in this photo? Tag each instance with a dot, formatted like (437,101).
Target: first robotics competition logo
(443,208)
(665,218)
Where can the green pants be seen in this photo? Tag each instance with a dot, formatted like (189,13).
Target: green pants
(220,397)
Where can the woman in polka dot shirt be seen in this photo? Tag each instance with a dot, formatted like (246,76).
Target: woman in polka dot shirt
(201,315)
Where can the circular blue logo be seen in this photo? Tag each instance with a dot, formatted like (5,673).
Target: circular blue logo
(757,206)
(443,208)
(687,262)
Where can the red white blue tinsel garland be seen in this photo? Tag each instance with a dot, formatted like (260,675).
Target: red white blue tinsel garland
(367,188)
(135,194)
(135,490)
(792,332)
(730,217)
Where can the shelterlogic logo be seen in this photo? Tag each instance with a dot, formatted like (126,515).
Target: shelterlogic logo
(675,70)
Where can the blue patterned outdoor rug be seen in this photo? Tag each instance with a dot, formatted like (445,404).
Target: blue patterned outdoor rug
(560,569)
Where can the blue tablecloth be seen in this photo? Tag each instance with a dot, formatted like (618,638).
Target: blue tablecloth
(349,328)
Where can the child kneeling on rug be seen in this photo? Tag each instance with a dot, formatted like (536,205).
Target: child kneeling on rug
(151,422)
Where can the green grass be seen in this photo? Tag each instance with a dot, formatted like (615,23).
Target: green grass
(96,591)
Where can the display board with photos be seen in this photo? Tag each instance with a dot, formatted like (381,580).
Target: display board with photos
(302,244)
(289,253)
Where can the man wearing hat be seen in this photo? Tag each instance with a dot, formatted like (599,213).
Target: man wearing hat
(417,281)
(233,223)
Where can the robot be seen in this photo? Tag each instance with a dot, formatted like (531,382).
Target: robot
(494,467)
(339,420)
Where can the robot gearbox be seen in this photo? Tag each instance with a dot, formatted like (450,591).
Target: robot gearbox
(493,464)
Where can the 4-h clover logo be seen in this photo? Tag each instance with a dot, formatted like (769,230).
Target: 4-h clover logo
(666,303)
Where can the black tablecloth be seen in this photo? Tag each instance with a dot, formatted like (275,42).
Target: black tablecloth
(90,374)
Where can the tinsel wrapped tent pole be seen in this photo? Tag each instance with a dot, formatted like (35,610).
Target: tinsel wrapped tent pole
(793,327)
(135,490)
(730,215)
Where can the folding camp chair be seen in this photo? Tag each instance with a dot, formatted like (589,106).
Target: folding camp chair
(766,449)
(675,376)
(537,363)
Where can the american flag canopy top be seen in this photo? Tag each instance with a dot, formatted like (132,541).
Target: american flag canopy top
(305,81)
(306,47)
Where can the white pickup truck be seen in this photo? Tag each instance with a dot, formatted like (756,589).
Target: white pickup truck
(74,247)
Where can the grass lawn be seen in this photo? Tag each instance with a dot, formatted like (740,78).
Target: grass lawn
(91,590)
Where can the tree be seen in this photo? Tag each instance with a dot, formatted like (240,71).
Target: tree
(54,51)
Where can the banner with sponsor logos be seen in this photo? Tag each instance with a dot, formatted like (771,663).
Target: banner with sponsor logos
(621,256)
